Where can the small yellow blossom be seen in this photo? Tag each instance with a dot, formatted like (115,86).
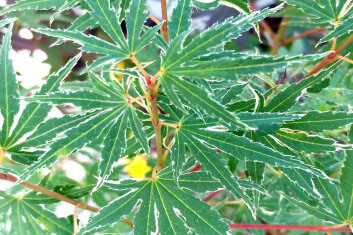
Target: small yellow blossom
(116,75)
(137,167)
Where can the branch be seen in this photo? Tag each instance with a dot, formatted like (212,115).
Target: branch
(332,57)
(56,195)
(318,228)
(141,69)
(48,192)
(164,29)
(279,36)
(303,35)
(2,156)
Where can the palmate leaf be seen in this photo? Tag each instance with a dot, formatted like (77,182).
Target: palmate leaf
(320,121)
(300,178)
(336,204)
(228,65)
(180,19)
(307,143)
(285,99)
(241,5)
(200,98)
(35,113)
(30,218)
(198,140)
(343,29)
(76,138)
(8,87)
(322,10)
(81,23)
(33,4)
(114,144)
(86,100)
(108,20)
(178,211)
(218,34)
(346,182)
(6,21)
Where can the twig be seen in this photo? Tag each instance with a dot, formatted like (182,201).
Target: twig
(154,19)
(48,192)
(214,203)
(12,178)
(2,156)
(345,59)
(302,35)
(141,69)
(75,219)
(164,29)
(318,228)
(279,36)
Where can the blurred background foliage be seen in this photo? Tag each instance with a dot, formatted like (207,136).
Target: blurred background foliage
(34,58)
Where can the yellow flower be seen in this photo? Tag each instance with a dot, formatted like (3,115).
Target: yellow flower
(116,75)
(137,167)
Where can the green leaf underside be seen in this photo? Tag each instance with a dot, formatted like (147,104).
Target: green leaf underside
(175,208)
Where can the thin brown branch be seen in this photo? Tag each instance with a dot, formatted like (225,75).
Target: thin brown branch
(268,29)
(2,156)
(75,219)
(154,19)
(345,59)
(141,69)
(303,35)
(48,192)
(164,29)
(344,44)
(169,147)
(279,36)
(237,202)
(332,57)
(12,178)
(318,228)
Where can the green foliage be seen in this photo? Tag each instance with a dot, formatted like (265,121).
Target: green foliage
(182,114)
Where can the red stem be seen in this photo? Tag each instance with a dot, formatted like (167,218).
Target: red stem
(318,228)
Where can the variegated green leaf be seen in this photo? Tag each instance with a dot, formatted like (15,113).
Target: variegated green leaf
(9,97)
(320,121)
(175,208)
(35,113)
(180,20)
(307,143)
(33,4)
(76,138)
